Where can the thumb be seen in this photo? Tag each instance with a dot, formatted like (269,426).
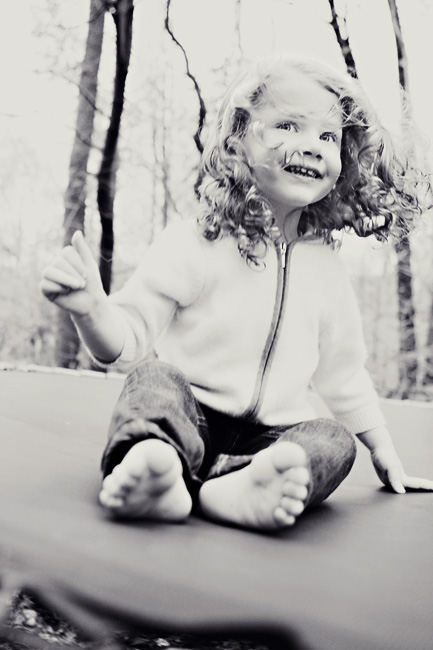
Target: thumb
(82,247)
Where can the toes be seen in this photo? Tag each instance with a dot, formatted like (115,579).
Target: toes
(119,481)
(110,485)
(292,506)
(282,517)
(110,501)
(148,484)
(126,471)
(295,490)
(299,475)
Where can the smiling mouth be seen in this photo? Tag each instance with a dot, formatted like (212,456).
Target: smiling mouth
(300,170)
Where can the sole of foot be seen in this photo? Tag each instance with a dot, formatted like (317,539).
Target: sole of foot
(147,484)
(268,494)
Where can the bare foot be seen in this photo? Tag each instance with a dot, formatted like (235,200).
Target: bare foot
(147,484)
(268,494)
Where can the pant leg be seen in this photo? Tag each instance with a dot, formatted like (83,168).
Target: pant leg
(330,449)
(157,402)
(331,452)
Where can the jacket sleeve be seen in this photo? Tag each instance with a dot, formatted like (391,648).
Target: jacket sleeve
(341,377)
(171,275)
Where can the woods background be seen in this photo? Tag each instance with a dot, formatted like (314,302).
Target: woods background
(104,110)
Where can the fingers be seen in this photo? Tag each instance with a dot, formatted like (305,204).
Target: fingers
(415,483)
(69,260)
(391,472)
(52,290)
(67,271)
(395,478)
(81,247)
(400,481)
(63,278)
(398,487)
(71,257)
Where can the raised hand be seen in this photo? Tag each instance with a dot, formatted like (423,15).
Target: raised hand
(72,280)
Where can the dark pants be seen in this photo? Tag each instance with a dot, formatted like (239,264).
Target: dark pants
(157,402)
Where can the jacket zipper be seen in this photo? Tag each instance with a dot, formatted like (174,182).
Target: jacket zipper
(284,252)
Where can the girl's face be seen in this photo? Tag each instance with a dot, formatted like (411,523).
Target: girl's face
(295,152)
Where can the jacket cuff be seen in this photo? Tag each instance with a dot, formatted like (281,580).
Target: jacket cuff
(363,419)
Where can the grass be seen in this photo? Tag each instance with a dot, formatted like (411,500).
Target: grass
(44,630)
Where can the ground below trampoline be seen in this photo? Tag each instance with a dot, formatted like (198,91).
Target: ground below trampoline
(36,621)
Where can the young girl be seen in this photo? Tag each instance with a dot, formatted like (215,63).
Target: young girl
(229,318)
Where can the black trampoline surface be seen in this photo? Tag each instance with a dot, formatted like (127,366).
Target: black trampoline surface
(356,573)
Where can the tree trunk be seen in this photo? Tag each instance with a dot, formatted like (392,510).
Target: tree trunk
(67,342)
(428,374)
(408,365)
(406,310)
(122,12)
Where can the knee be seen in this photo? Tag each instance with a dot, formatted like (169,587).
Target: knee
(147,365)
(161,386)
(344,440)
(150,371)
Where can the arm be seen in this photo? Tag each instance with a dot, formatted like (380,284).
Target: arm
(72,282)
(124,326)
(387,463)
(345,384)
(341,377)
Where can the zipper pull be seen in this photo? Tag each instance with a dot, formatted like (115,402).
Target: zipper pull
(283,254)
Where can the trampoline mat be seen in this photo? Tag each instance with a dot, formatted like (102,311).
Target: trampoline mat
(355,573)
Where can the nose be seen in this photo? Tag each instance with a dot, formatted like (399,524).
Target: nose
(312,148)
(304,153)
(310,145)
(313,153)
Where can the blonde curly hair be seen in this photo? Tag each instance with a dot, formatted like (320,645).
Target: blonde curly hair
(380,190)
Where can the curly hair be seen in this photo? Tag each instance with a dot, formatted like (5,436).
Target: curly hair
(380,191)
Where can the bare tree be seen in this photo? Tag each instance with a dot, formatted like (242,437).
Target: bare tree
(428,375)
(161,116)
(338,24)
(67,344)
(406,310)
(408,364)
(122,12)
(202,107)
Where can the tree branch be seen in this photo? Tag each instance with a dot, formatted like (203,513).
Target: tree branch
(202,111)
(401,50)
(343,41)
(122,12)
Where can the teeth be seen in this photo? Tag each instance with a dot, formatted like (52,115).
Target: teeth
(303,171)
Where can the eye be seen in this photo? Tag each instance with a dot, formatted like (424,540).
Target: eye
(329,136)
(286,126)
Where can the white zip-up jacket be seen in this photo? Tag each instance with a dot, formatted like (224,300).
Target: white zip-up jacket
(251,340)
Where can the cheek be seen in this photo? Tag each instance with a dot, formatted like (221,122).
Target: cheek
(335,167)
(264,165)
(261,150)
(263,177)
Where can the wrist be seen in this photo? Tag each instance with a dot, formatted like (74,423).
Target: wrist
(101,331)
(376,439)
(96,314)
